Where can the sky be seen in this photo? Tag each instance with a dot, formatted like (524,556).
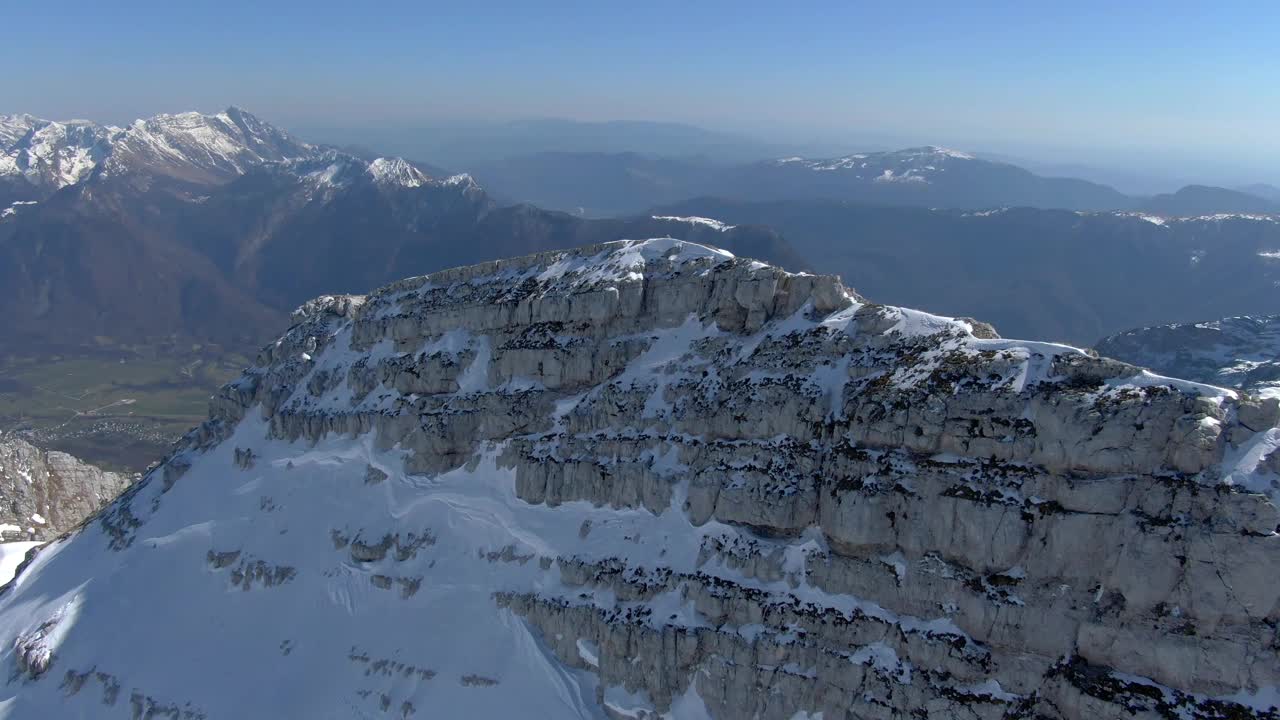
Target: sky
(1171,85)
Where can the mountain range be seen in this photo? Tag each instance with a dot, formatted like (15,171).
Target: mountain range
(1053,274)
(215,226)
(1237,352)
(599,183)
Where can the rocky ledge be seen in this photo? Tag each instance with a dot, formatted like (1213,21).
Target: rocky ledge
(649,479)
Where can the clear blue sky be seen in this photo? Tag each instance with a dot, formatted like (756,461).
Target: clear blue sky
(1191,79)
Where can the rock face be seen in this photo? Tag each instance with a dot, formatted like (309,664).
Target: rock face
(1240,352)
(45,493)
(650,479)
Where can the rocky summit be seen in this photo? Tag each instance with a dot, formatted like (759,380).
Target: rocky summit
(651,479)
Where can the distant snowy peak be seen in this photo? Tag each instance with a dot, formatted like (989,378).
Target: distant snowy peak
(201,148)
(397,171)
(910,165)
(188,146)
(334,170)
(52,154)
(712,223)
(13,127)
(1165,220)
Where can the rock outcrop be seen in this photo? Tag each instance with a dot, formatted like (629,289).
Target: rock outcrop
(648,479)
(45,493)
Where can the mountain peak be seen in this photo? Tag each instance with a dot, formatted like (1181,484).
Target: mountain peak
(396,171)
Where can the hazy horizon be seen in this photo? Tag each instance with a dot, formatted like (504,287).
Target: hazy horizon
(1172,92)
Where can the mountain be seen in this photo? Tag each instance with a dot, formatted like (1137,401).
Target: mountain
(1052,274)
(214,226)
(44,494)
(190,147)
(1205,200)
(1239,352)
(649,477)
(596,183)
(929,176)
(1262,190)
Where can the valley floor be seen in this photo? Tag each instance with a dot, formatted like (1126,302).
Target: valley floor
(119,409)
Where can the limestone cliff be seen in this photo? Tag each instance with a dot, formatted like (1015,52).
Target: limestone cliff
(46,493)
(649,479)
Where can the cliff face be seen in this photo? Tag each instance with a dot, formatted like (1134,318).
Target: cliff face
(649,478)
(43,494)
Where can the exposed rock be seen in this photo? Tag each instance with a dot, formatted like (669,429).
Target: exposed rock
(45,493)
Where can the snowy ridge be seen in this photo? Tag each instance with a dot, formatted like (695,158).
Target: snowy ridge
(51,153)
(190,146)
(1165,220)
(395,171)
(912,165)
(1237,352)
(709,222)
(653,479)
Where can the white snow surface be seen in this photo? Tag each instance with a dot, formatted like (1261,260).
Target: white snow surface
(695,220)
(11,556)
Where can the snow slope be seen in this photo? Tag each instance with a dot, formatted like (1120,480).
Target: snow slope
(11,556)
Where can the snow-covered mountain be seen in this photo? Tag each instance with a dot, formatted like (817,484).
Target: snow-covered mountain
(1239,352)
(50,155)
(188,146)
(602,183)
(649,479)
(912,165)
(929,176)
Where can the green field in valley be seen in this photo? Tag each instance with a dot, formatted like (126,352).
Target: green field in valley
(120,410)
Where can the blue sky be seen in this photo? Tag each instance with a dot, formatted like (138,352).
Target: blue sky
(1189,82)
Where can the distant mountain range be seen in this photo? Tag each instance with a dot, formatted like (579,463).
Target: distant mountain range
(599,183)
(1052,274)
(214,226)
(1240,352)
(1204,200)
